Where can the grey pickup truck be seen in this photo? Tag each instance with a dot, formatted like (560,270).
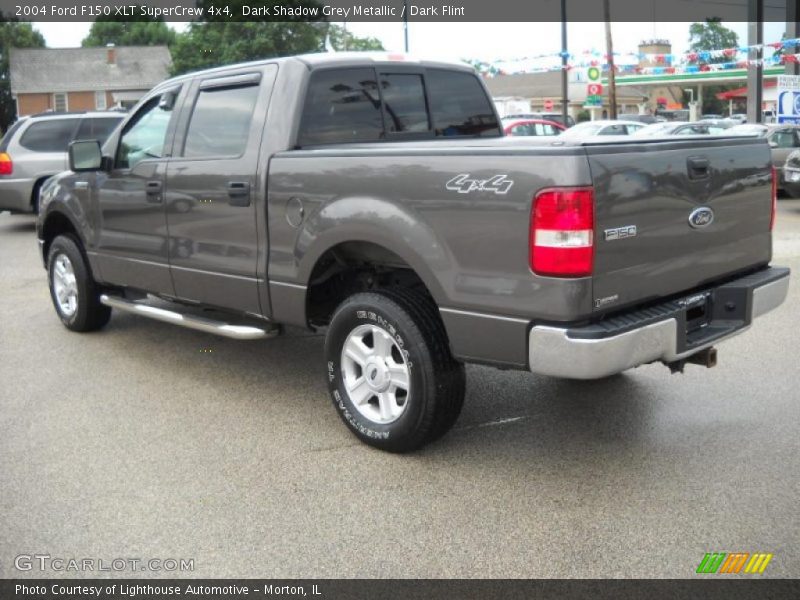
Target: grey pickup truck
(375,198)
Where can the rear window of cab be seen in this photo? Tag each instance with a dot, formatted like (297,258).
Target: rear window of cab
(368,105)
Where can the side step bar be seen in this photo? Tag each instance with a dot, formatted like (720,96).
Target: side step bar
(237,332)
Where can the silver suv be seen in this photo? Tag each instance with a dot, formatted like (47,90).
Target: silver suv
(35,148)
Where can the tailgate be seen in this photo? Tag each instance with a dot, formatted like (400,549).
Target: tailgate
(673,215)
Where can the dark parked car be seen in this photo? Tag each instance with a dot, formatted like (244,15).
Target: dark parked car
(791,174)
(783,139)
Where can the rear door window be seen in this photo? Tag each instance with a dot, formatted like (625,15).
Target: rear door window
(613,130)
(49,135)
(342,105)
(784,139)
(459,105)
(220,122)
(10,134)
(97,128)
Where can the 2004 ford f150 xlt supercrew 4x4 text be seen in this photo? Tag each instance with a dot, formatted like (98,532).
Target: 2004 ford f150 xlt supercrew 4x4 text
(376,199)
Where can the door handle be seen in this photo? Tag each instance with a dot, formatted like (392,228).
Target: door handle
(238,193)
(153,191)
(697,167)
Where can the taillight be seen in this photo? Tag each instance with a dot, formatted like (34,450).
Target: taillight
(562,232)
(6,166)
(774,198)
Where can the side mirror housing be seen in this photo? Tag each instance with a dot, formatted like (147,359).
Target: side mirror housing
(85,155)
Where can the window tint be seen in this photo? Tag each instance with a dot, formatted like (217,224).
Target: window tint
(220,122)
(10,134)
(459,104)
(404,98)
(613,130)
(522,129)
(545,129)
(49,135)
(96,129)
(784,139)
(342,105)
(144,136)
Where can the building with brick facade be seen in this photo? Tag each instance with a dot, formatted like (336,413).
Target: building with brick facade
(73,79)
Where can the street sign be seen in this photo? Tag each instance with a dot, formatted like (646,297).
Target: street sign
(789,99)
(593,101)
(594,89)
(548,105)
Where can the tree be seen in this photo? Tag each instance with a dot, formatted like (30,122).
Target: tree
(136,31)
(712,35)
(205,45)
(342,40)
(210,44)
(13,34)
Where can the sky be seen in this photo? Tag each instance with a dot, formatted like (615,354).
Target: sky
(481,41)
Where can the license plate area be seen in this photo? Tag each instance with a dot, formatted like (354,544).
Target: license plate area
(711,315)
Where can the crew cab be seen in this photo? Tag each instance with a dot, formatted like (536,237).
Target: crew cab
(375,198)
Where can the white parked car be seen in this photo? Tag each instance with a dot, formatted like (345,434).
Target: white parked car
(603,127)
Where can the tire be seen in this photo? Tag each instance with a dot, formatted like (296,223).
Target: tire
(390,373)
(75,294)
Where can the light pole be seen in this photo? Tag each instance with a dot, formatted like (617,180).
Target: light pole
(405,23)
(692,105)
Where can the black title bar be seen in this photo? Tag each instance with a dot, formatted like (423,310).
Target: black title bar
(533,11)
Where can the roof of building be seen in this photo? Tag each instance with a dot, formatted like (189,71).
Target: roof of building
(548,85)
(47,70)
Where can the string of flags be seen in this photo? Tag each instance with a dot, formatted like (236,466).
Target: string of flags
(660,64)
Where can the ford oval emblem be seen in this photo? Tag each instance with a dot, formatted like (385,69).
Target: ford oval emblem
(701,217)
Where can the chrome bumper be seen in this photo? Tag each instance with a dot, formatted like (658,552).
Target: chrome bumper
(553,351)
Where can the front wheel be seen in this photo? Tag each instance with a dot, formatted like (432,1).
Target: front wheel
(391,376)
(72,288)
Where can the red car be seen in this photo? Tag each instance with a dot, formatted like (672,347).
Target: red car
(531,127)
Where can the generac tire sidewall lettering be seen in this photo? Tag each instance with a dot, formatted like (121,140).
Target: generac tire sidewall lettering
(360,315)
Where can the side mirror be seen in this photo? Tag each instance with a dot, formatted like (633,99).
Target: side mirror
(773,144)
(85,155)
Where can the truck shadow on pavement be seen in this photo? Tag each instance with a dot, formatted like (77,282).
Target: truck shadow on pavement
(18,224)
(270,378)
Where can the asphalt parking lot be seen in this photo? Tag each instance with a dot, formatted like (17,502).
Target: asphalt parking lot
(150,441)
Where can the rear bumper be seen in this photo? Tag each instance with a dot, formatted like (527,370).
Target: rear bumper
(668,332)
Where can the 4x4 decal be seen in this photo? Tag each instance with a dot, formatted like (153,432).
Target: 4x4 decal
(464,184)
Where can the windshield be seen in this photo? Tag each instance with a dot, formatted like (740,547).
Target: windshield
(653,129)
(587,128)
(748,129)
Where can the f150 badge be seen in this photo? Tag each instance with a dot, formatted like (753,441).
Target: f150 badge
(464,184)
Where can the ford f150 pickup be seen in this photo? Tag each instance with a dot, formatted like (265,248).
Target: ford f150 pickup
(375,198)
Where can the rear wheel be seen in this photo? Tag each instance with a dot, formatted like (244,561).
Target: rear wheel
(75,294)
(390,372)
